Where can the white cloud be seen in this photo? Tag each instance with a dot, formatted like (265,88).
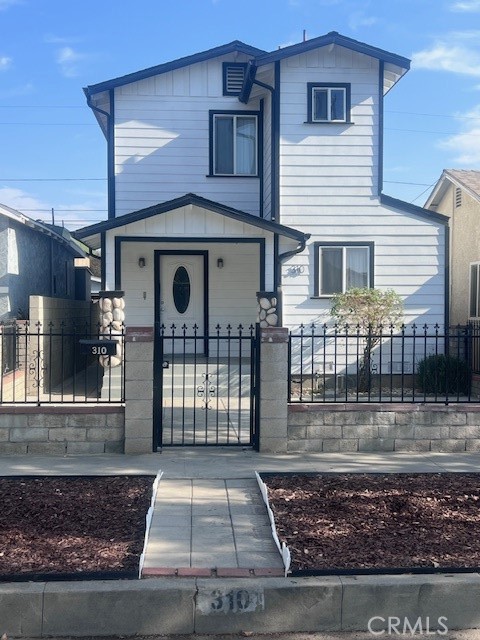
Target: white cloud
(20,90)
(22,201)
(5,63)
(466,6)
(6,4)
(68,59)
(465,146)
(73,215)
(358,20)
(449,55)
(51,38)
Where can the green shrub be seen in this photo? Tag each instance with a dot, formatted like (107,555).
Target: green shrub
(443,374)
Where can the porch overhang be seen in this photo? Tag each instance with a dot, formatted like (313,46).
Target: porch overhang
(92,235)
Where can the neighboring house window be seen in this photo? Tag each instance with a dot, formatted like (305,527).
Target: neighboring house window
(328,102)
(233,77)
(474,290)
(339,267)
(233,144)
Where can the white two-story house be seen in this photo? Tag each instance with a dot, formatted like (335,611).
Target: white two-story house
(236,170)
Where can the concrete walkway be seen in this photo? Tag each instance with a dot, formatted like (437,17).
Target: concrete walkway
(209,518)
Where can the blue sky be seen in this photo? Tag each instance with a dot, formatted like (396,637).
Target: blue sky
(53,153)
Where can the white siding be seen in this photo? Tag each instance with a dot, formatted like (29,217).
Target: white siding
(328,160)
(162,140)
(232,290)
(329,188)
(409,258)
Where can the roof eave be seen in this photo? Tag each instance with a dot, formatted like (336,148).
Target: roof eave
(420,212)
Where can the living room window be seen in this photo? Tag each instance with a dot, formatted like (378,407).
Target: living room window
(233,144)
(339,267)
(328,102)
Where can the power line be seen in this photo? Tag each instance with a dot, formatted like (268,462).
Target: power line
(52,179)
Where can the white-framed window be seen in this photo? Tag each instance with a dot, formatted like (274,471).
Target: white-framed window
(328,102)
(474,297)
(340,267)
(233,144)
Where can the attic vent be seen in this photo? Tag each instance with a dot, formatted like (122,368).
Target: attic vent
(458,197)
(233,77)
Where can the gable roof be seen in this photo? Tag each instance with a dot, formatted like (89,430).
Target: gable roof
(469,180)
(232,47)
(188,199)
(397,65)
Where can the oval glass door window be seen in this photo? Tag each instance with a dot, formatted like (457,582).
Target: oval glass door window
(181,289)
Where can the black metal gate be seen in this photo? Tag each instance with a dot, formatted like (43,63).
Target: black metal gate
(205,387)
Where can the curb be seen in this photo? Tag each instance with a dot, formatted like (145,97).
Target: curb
(178,605)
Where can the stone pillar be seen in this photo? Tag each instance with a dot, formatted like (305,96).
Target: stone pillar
(273,389)
(267,313)
(112,317)
(139,390)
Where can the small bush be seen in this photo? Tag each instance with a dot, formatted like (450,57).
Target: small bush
(443,374)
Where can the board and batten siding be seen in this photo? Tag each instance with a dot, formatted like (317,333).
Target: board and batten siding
(162,140)
(232,290)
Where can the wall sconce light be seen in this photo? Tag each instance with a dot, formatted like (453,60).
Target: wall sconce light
(220,263)
(142,262)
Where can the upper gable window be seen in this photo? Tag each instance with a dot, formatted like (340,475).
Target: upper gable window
(329,102)
(233,77)
(233,144)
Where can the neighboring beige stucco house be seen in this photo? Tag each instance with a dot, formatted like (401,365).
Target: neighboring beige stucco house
(457,195)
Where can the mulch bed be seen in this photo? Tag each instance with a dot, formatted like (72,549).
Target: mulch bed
(374,522)
(72,527)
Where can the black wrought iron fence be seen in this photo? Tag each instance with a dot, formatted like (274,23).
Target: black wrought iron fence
(64,363)
(413,364)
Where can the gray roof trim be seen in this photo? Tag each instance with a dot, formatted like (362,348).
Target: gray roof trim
(62,236)
(231,47)
(191,199)
(431,216)
(333,38)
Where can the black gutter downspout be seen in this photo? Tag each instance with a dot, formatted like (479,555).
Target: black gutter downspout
(278,267)
(110,149)
(380,128)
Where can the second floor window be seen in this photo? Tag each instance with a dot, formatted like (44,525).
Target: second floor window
(328,102)
(234,145)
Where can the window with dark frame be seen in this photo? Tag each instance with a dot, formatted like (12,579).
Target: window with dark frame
(329,102)
(474,290)
(340,267)
(233,144)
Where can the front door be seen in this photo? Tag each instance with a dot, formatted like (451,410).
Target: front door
(182,296)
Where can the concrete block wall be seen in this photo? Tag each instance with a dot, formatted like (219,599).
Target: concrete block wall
(383,427)
(58,430)
(139,390)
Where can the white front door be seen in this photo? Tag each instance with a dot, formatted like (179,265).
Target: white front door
(182,294)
